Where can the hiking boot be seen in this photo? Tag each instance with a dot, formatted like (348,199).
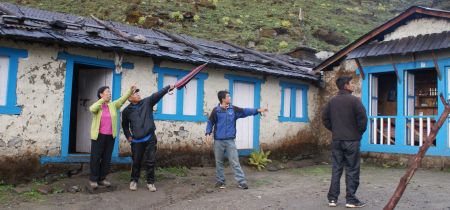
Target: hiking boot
(151,187)
(104,183)
(133,186)
(220,185)
(357,204)
(93,184)
(243,186)
(332,203)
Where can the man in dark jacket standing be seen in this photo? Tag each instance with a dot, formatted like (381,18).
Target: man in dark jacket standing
(222,121)
(345,116)
(139,129)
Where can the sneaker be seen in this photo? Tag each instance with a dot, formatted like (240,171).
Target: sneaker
(243,186)
(357,204)
(220,185)
(93,184)
(104,183)
(332,203)
(133,186)
(151,187)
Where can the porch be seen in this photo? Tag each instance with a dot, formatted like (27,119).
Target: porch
(403,106)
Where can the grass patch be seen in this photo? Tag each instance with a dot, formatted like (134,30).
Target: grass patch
(5,192)
(346,17)
(313,170)
(262,182)
(32,195)
(177,171)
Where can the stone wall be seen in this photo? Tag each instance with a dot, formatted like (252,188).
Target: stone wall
(40,91)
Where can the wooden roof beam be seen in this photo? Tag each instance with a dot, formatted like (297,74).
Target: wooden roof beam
(395,69)
(360,68)
(436,65)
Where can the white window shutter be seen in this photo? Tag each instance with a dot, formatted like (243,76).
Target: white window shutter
(190,98)
(410,93)
(4,68)
(299,103)
(374,95)
(169,101)
(287,102)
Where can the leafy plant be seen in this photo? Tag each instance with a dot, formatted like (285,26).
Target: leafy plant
(196,18)
(259,159)
(226,20)
(178,16)
(286,24)
(283,45)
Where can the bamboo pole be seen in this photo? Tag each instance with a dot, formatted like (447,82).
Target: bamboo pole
(138,39)
(404,181)
(277,61)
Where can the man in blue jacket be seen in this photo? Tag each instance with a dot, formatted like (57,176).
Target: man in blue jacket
(222,122)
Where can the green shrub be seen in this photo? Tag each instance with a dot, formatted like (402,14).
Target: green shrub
(259,159)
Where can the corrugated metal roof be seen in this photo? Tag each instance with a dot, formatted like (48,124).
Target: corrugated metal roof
(405,45)
(377,33)
(37,28)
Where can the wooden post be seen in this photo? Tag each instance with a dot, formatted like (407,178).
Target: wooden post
(395,68)
(416,160)
(360,68)
(436,65)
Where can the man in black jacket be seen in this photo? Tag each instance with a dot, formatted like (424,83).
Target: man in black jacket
(139,129)
(345,116)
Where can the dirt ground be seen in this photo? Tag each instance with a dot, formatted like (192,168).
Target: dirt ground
(293,188)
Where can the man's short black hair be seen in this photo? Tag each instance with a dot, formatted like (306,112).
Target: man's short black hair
(101,90)
(222,95)
(341,81)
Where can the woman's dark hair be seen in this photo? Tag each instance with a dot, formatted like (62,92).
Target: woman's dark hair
(101,90)
(222,95)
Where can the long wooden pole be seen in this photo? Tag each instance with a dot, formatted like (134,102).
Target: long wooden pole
(277,61)
(404,181)
(138,39)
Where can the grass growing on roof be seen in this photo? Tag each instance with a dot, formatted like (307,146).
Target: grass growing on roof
(346,17)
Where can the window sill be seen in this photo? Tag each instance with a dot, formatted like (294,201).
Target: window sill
(10,110)
(173,117)
(290,119)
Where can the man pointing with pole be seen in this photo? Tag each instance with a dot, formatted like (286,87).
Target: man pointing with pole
(139,129)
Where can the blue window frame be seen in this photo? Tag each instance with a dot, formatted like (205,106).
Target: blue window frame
(294,102)
(402,117)
(180,112)
(9,104)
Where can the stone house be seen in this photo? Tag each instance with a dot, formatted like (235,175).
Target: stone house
(51,65)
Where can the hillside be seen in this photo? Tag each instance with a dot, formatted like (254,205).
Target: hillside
(268,25)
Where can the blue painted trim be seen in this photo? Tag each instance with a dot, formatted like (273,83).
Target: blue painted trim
(80,59)
(294,87)
(179,116)
(71,60)
(11,107)
(257,98)
(441,148)
(80,159)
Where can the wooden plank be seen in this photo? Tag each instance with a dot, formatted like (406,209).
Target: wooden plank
(436,65)
(363,76)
